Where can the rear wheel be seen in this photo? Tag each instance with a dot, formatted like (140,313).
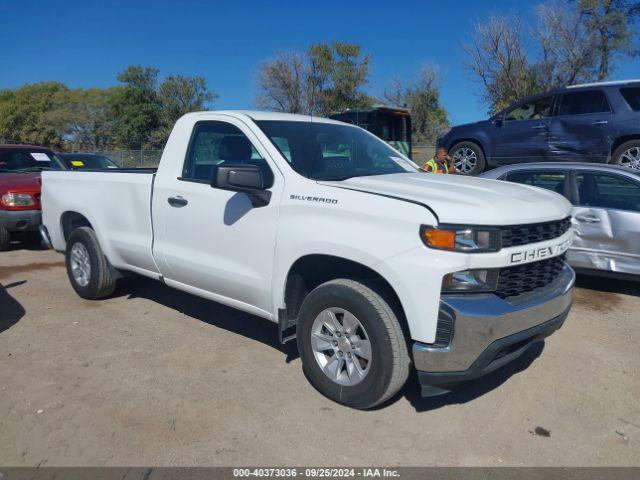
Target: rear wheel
(351,344)
(87,267)
(5,238)
(627,155)
(468,158)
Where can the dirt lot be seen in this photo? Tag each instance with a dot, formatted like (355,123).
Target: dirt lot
(153,376)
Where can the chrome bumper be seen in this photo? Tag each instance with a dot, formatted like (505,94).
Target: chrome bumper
(44,237)
(484,319)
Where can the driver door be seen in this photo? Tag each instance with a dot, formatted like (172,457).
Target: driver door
(215,240)
(523,133)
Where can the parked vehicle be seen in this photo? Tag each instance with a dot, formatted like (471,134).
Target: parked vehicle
(326,230)
(391,124)
(86,161)
(606,210)
(20,167)
(598,123)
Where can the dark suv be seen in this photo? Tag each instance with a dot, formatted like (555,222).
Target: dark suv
(597,122)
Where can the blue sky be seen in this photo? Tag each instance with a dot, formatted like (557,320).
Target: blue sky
(86,43)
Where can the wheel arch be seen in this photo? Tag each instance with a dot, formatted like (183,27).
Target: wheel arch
(312,270)
(471,140)
(70,220)
(619,141)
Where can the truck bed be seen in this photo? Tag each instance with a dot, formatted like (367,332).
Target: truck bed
(117,201)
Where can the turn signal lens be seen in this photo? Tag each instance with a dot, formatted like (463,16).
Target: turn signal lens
(441,239)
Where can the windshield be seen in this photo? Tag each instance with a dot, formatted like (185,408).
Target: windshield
(91,161)
(326,151)
(18,160)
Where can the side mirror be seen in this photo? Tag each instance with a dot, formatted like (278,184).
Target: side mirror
(497,121)
(243,178)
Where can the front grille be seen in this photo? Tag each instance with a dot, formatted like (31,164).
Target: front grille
(515,235)
(529,276)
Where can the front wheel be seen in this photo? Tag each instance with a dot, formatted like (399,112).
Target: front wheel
(627,155)
(351,344)
(468,158)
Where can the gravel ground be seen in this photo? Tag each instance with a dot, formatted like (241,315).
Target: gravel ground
(153,376)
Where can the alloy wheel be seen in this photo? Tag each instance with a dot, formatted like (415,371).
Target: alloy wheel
(341,346)
(631,158)
(80,264)
(464,160)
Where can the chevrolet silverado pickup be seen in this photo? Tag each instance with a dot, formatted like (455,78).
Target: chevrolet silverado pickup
(374,267)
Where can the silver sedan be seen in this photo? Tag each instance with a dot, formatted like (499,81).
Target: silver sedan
(606,210)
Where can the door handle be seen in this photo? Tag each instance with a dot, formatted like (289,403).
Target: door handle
(537,127)
(177,201)
(600,122)
(587,218)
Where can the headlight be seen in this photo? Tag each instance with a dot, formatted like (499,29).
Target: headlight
(461,239)
(485,280)
(17,200)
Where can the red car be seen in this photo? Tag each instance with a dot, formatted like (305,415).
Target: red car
(20,167)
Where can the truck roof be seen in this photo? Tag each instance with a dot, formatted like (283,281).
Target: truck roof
(260,115)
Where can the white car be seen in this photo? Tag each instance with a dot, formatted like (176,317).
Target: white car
(606,211)
(322,228)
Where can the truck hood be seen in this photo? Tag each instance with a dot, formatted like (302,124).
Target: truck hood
(467,200)
(20,182)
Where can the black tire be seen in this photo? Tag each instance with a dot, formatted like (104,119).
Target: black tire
(5,238)
(101,282)
(390,360)
(480,160)
(616,158)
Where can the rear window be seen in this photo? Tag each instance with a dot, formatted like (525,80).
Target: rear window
(577,103)
(553,180)
(632,97)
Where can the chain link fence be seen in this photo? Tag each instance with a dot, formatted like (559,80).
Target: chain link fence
(134,158)
(151,158)
(421,153)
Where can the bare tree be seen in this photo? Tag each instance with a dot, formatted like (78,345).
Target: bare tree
(567,46)
(281,84)
(498,57)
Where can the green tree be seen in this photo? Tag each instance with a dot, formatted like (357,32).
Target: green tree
(422,98)
(24,114)
(80,116)
(335,77)
(612,23)
(178,95)
(134,108)
(326,79)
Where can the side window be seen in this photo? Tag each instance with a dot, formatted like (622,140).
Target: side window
(591,101)
(216,143)
(551,180)
(632,97)
(608,191)
(533,110)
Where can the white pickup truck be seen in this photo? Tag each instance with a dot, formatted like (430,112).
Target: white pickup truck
(372,265)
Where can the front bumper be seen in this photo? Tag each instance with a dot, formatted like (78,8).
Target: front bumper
(487,332)
(20,220)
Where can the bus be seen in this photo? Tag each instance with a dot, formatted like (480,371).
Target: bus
(391,124)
